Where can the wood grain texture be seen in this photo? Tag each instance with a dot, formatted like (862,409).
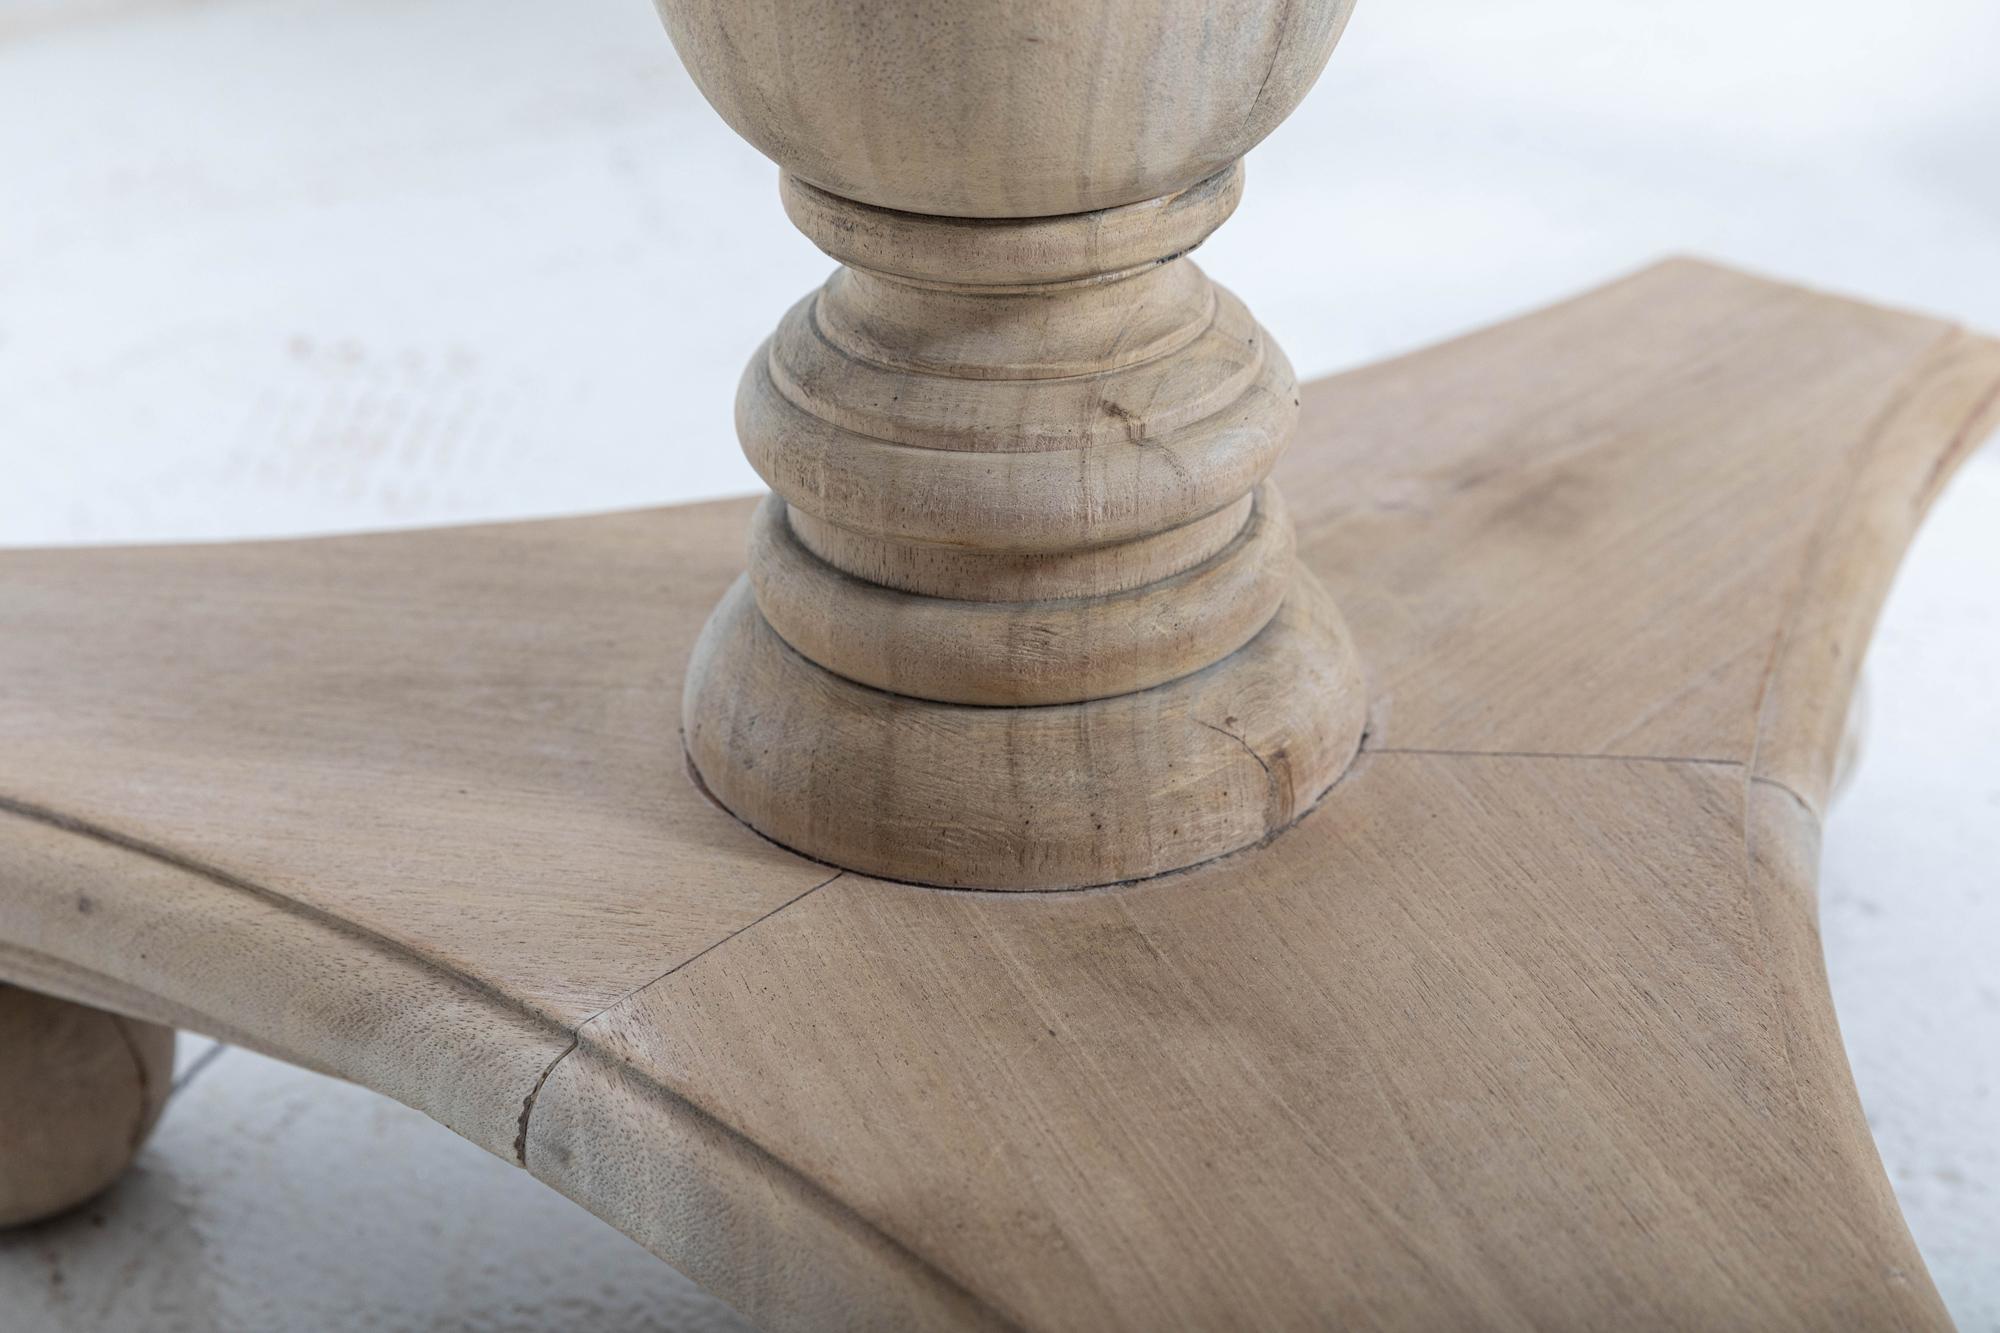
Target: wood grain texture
(466,712)
(1490,1042)
(1525,1026)
(1555,535)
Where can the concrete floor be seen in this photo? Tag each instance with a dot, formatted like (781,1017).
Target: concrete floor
(287,266)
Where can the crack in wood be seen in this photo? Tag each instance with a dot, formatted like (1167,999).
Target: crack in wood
(576,1035)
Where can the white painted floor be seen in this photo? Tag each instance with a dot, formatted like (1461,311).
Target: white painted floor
(288,266)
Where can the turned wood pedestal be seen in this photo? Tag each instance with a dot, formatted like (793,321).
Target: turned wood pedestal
(1147,844)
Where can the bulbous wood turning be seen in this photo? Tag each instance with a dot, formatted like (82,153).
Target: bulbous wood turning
(1005,108)
(1022,612)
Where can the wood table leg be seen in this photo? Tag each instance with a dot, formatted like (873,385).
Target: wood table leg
(80,1089)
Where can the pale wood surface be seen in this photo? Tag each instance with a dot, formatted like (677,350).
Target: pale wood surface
(1020,109)
(1525,1025)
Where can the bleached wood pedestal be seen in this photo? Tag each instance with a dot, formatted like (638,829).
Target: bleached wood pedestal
(1099,867)
(1524,1025)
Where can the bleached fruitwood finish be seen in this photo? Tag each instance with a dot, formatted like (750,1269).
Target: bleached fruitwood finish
(80,1090)
(1023,581)
(1525,1026)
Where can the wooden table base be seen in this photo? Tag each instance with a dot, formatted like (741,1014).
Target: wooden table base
(1525,1026)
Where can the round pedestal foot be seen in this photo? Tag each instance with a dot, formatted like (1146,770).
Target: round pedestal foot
(80,1090)
(1049,797)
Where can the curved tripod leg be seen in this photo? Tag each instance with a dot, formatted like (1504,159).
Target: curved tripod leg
(1524,1026)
